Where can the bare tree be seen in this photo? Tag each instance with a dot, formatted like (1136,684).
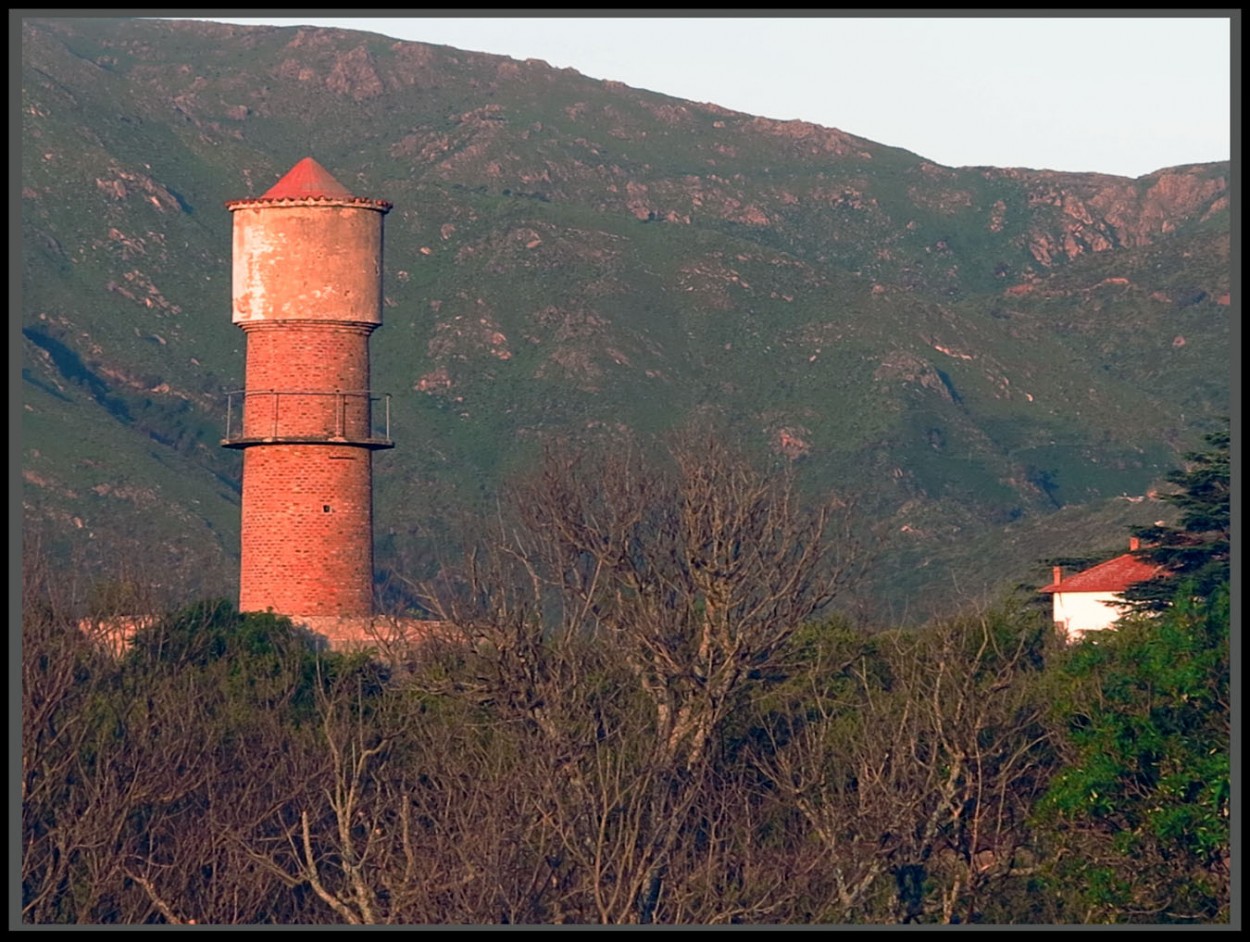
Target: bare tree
(701,569)
(60,672)
(692,572)
(916,777)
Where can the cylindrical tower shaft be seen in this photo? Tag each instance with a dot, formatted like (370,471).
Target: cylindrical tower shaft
(307,294)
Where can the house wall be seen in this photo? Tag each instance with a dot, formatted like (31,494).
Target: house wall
(1080,612)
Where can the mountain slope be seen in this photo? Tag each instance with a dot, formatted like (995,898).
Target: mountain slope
(961,350)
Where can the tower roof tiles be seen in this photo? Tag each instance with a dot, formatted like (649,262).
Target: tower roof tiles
(307,180)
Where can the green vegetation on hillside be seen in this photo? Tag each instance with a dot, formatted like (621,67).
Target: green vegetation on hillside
(970,353)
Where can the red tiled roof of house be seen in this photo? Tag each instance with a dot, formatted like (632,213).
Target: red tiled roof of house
(1115,575)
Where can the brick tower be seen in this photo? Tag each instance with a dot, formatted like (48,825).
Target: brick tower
(307,295)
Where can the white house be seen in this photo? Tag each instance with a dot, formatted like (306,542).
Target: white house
(1090,600)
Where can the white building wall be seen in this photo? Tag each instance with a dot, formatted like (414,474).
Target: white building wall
(1079,612)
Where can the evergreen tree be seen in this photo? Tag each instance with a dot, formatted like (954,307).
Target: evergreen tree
(1135,825)
(1197,550)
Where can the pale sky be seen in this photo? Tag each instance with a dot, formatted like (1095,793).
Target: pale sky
(1121,95)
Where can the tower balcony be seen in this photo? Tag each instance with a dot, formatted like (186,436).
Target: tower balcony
(305,417)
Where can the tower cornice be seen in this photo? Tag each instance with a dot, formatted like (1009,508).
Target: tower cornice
(283,202)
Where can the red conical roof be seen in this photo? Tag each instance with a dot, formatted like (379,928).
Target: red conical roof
(307,180)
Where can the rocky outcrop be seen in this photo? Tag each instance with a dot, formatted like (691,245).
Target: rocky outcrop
(1079,213)
(354,75)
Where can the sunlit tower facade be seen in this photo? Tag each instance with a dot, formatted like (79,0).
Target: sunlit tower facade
(307,293)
